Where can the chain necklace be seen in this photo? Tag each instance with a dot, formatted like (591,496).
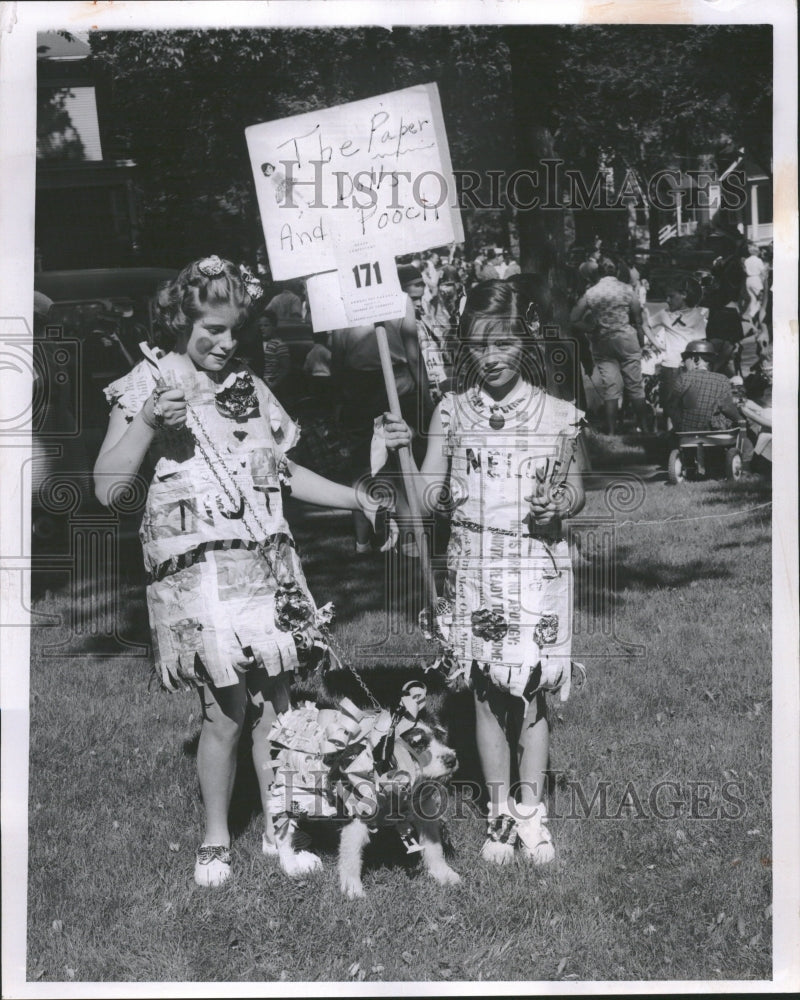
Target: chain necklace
(239,503)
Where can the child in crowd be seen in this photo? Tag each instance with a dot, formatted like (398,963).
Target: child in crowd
(610,309)
(434,324)
(317,363)
(501,451)
(229,608)
(675,326)
(317,370)
(756,408)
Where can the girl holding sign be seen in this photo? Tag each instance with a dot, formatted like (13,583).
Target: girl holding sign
(501,460)
(229,608)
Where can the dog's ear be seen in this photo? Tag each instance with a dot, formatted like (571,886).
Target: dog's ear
(413,696)
(434,723)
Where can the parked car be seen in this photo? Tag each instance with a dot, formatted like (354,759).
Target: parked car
(88,339)
(691,253)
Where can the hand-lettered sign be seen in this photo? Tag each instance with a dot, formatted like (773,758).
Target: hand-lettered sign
(376,171)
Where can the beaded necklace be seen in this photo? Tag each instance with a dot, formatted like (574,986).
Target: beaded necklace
(215,462)
(497,411)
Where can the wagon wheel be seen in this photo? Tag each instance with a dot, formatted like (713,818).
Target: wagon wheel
(675,470)
(733,463)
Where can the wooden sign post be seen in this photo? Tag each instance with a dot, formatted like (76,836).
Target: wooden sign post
(408,473)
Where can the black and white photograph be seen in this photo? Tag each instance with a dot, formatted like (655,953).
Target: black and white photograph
(399,574)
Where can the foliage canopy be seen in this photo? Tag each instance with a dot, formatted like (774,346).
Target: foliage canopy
(645,96)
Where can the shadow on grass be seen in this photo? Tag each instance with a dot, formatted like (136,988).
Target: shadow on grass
(613,453)
(652,574)
(751,543)
(597,592)
(92,617)
(747,490)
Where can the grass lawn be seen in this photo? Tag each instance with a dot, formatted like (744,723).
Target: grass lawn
(661,786)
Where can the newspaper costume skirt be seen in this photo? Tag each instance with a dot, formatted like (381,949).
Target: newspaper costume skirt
(227,608)
(509,601)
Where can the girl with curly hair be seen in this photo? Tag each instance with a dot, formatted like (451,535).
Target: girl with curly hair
(501,462)
(229,608)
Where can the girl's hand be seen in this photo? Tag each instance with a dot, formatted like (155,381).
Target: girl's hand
(380,513)
(543,510)
(165,408)
(549,503)
(396,431)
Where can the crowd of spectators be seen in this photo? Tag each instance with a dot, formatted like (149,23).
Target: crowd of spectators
(731,325)
(638,371)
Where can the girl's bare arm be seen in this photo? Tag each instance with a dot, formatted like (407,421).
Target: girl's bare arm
(122,453)
(432,477)
(125,444)
(312,488)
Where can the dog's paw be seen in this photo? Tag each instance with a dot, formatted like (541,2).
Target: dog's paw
(301,863)
(497,852)
(352,887)
(445,875)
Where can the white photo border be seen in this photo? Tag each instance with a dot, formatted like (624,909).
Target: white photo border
(19,24)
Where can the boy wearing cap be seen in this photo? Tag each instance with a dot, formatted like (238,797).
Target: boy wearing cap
(700,399)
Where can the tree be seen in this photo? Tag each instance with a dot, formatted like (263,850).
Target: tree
(640,96)
(658,96)
(182,99)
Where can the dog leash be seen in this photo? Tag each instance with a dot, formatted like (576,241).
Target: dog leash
(385,748)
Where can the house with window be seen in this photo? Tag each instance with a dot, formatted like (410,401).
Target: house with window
(698,198)
(755,217)
(85,200)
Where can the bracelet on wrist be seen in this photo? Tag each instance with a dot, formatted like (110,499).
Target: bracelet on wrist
(157,413)
(148,423)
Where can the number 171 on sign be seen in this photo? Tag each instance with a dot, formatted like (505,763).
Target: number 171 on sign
(363,274)
(369,283)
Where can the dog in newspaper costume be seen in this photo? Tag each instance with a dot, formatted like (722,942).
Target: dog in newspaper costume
(366,768)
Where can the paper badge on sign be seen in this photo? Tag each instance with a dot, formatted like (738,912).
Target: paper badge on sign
(368,282)
(325,302)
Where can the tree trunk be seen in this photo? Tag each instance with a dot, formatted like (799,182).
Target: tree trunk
(541,230)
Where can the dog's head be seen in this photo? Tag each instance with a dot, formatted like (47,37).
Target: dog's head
(418,744)
(423,748)
(372,761)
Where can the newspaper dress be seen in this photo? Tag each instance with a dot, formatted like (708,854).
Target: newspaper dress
(226,591)
(507,611)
